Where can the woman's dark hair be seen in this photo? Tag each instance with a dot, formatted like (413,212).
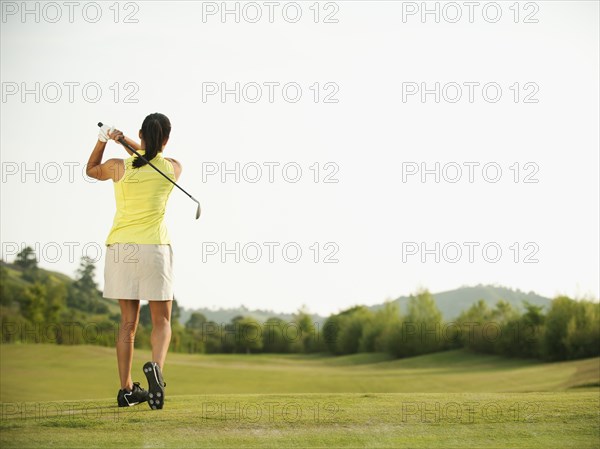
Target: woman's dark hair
(155,129)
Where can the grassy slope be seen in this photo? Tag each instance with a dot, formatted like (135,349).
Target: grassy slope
(366,400)
(85,372)
(14,276)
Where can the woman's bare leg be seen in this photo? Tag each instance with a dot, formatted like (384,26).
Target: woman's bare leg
(161,330)
(130,315)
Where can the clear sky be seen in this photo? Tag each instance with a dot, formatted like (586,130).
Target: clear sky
(337,95)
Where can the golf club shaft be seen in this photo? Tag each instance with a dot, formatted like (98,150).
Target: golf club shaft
(122,142)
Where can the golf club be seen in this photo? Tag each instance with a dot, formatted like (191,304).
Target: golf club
(122,142)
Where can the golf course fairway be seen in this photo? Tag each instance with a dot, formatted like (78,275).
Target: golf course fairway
(64,396)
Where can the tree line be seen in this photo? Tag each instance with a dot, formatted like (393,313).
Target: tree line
(37,306)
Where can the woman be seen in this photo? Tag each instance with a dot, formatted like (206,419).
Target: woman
(139,258)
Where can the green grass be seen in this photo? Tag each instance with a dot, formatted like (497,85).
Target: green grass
(94,369)
(530,420)
(57,396)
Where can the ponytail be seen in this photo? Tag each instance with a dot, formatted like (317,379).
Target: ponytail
(155,130)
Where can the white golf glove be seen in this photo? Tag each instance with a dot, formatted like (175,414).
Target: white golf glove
(103,134)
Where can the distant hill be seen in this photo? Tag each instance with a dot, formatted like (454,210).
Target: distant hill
(452,302)
(225,315)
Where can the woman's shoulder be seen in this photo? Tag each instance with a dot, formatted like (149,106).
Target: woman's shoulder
(174,161)
(177,167)
(116,167)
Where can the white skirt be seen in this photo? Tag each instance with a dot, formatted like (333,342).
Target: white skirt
(138,271)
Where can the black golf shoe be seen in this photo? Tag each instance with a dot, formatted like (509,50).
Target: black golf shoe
(156,385)
(134,397)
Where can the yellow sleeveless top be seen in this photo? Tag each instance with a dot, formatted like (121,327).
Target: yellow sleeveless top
(141,196)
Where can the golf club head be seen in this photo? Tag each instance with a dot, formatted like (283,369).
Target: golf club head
(198,208)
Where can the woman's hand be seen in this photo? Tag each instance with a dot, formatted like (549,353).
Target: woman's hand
(103,136)
(115,135)
(130,143)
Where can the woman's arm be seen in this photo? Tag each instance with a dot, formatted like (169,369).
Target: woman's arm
(111,169)
(116,134)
